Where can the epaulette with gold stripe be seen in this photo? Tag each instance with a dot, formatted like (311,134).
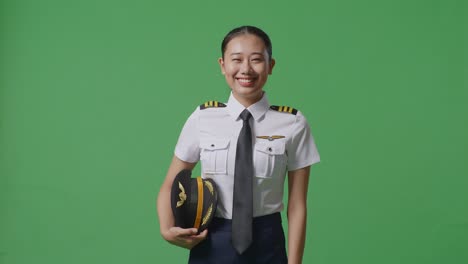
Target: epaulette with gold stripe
(211,104)
(284,109)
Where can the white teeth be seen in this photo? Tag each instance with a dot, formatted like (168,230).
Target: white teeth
(245,80)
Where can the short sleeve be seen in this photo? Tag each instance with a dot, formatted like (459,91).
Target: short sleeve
(302,151)
(187,148)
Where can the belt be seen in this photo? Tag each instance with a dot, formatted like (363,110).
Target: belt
(260,221)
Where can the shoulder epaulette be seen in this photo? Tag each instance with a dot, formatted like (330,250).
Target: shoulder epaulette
(211,104)
(284,109)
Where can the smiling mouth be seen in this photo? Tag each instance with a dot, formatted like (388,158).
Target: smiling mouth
(246,81)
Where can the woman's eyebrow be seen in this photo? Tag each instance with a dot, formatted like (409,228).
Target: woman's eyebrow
(257,53)
(253,53)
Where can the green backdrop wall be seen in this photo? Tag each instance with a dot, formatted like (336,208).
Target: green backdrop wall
(94,94)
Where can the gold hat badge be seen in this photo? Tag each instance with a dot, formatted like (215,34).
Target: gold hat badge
(271,138)
(182,196)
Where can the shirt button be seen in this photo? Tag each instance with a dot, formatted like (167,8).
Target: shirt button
(269,149)
(212,145)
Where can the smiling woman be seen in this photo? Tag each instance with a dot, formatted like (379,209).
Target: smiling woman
(246,65)
(246,147)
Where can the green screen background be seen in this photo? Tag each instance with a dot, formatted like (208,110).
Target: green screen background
(94,94)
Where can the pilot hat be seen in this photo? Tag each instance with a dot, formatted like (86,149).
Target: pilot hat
(193,201)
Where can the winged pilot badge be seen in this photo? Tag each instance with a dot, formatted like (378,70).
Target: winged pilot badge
(271,138)
(182,196)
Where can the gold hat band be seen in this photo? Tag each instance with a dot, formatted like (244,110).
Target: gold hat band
(199,203)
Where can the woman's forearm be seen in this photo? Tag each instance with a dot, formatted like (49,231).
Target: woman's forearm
(298,181)
(297,219)
(166,218)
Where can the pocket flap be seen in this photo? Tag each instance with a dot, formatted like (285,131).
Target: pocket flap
(272,148)
(214,144)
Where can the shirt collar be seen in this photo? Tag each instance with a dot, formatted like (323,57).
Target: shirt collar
(257,110)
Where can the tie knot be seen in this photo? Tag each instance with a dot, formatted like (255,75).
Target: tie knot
(245,115)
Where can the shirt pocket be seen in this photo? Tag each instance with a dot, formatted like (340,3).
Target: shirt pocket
(269,158)
(214,155)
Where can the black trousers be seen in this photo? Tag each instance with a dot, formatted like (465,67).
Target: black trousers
(268,244)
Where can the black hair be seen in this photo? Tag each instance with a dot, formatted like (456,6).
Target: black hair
(247,30)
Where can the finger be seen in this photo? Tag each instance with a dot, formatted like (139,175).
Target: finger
(184,232)
(200,236)
(185,240)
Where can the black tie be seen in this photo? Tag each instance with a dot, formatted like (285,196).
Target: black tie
(242,208)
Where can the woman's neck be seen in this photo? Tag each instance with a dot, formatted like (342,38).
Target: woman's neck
(248,101)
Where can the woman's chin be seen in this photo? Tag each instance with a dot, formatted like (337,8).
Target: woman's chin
(250,93)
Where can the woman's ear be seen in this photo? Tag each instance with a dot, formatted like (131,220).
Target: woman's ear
(272,64)
(221,65)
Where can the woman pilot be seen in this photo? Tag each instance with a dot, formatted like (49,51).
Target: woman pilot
(246,146)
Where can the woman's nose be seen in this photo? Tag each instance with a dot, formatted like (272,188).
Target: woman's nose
(245,67)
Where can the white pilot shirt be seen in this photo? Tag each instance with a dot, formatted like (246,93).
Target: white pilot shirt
(210,135)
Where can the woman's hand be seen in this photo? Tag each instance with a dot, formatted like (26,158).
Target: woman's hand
(184,237)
